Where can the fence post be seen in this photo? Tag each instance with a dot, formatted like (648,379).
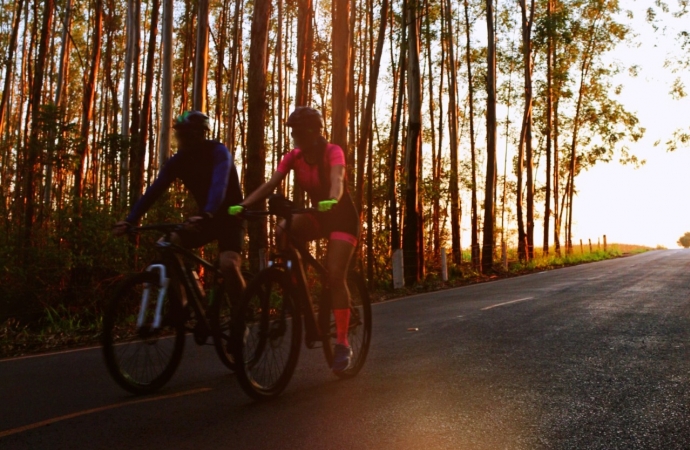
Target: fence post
(444,265)
(605,243)
(504,254)
(582,249)
(398,278)
(590,245)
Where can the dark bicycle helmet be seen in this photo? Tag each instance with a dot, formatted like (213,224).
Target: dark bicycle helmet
(305,117)
(192,121)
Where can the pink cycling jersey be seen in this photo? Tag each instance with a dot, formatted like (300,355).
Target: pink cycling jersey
(307,175)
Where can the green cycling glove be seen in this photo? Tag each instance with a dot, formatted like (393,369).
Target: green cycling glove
(327,205)
(235,210)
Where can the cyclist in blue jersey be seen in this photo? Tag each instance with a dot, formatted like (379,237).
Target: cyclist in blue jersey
(206,168)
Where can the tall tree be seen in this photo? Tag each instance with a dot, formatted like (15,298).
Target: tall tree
(36,97)
(9,62)
(470,84)
(88,102)
(366,120)
(549,122)
(148,84)
(454,138)
(490,185)
(201,62)
(305,42)
(341,71)
(60,89)
(413,246)
(136,174)
(395,131)
(256,116)
(167,84)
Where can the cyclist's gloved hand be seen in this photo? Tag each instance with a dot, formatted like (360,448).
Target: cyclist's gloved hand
(235,210)
(121,228)
(327,205)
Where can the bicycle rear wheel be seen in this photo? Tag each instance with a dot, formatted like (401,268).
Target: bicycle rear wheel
(142,359)
(266,335)
(359,334)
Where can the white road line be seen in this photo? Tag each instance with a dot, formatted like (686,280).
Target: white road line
(40,355)
(62,352)
(507,303)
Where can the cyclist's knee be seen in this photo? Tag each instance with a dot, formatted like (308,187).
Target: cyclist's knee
(230,262)
(175,238)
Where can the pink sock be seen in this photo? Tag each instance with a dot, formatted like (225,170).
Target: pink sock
(342,324)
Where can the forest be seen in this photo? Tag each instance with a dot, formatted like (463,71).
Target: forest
(465,123)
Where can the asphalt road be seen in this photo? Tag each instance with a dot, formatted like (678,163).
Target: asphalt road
(588,357)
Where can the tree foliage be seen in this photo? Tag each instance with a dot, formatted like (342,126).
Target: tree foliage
(72,163)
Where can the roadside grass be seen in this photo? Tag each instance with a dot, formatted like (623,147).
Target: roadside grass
(58,328)
(62,327)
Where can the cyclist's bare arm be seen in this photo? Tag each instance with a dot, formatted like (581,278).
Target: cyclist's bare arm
(264,190)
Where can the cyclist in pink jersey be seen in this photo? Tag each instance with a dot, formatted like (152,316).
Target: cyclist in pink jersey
(320,170)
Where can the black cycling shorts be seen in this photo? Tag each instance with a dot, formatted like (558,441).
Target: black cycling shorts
(227,230)
(340,223)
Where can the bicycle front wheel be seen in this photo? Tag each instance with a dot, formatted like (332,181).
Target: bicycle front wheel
(142,359)
(220,317)
(266,335)
(359,332)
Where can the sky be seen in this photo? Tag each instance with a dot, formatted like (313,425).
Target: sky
(647,205)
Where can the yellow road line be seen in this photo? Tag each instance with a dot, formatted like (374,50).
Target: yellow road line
(97,410)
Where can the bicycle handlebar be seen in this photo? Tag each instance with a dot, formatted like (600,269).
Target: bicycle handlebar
(251,214)
(166,227)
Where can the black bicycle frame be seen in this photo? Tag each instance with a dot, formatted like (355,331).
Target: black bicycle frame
(168,251)
(312,330)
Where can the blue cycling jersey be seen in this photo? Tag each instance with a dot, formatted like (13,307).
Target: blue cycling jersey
(208,172)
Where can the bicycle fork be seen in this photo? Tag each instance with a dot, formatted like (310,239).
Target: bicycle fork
(163,282)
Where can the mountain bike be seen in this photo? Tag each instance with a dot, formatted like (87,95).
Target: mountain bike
(267,328)
(145,323)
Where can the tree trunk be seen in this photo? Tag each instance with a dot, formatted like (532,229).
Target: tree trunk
(412,246)
(549,115)
(256,106)
(340,41)
(148,83)
(36,97)
(366,121)
(584,71)
(167,85)
(456,251)
(63,68)
(527,22)
(395,130)
(556,164)
(87,104)
(488,247)
(9,63)
(304,52)
(136,154)
(201,62)
(232,85)
(470,81)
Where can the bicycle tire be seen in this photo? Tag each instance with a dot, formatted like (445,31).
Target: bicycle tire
(266,318)
(359,335)
(120,335)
